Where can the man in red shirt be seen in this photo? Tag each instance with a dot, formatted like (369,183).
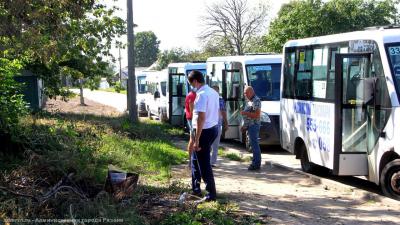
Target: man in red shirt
(189,103)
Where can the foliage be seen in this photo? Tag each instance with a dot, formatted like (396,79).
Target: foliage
(146,48)
(218,46)
(59,144)
(210,213)
(118,88)
(176,55)
(231,155)
(234,22)
(49,35)
(88,145)
(11,101)
(306,18)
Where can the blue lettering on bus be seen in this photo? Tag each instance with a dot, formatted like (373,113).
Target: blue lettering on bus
(313,125)
(322,145)
(302,108)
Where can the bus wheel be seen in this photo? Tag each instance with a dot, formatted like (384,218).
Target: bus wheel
(247,142)
(390,179)
(306,165)
(162,116)
(148,113)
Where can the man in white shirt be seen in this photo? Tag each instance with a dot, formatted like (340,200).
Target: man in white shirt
(205,125)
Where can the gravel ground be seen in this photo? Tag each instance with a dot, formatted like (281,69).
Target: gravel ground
(285,196)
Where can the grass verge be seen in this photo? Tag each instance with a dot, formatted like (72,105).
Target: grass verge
(51,146)
(111,89)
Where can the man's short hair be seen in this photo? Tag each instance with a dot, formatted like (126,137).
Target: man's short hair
(215,87)
(196,75)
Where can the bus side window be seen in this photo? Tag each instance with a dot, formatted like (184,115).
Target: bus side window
(288,75)
(179,89)
(319,72)
(303,79)
(330,86)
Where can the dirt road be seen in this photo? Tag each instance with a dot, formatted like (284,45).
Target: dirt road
(287,197)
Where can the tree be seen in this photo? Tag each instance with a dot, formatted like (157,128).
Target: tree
(234,23)
(12,104)
(46,34)
(176,55)
(146,48)
(307,18)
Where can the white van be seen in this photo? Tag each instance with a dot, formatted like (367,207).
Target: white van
(340,104)
(157,94)
(262,72)
(179,87)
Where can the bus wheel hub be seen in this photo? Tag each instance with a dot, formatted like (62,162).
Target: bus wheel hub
(395,182)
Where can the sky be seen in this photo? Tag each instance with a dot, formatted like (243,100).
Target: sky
(176,23)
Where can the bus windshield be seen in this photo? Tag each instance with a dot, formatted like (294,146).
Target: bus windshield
(164,88)
(141,84)
(265,79)
(394,57)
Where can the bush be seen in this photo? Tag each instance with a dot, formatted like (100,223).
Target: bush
(118,87)
(12,104)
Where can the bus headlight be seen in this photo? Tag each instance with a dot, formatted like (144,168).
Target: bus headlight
(265,118)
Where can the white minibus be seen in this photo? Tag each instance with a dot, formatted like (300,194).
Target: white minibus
(178,89)
(340,104)
(157,98)
(262,72)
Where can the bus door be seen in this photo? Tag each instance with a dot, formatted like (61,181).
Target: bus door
(232,93)
(354,92)
(177,95)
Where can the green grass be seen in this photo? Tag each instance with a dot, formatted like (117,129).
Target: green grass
(111,89)
(211,213)
(54,145)
(231,155)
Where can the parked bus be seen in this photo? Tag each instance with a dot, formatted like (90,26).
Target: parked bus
(157,94)
(141,93)
(262,72)
(179,87)
(340,104)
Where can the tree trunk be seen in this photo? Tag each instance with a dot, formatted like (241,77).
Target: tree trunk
(81,92)
(133,116)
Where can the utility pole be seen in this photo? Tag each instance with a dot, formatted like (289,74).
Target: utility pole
(133,116)
(120,67)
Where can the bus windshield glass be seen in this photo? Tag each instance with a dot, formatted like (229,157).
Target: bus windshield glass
(394,57)
(265,79)
(203,71)
(164,88)
(141,84)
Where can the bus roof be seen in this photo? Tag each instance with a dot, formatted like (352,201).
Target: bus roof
(189,65)
(379,35)
(157,75)
(248,59)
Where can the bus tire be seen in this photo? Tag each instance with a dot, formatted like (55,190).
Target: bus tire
(306,165)
(390,179)
(162,115)
(148,113)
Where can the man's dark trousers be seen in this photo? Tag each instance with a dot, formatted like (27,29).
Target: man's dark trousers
(202,158)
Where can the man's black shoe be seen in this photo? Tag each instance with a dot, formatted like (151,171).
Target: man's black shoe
(199,194)
(252,167)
